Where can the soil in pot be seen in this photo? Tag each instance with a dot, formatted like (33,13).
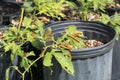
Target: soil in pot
(90,63)
(92,43)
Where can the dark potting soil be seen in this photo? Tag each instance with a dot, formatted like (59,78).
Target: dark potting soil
(44,19)
(74,14)
(70,14)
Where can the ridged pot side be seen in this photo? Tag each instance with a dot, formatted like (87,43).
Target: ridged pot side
(89,63)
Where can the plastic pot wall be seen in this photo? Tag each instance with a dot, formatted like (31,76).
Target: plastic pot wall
(90,63)
(111,11)
(5,62)
(14,1)
(116,58)
(116,61)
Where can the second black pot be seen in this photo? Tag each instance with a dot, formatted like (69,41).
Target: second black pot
(90,63)
(5,61)
(7,10)
(116,61)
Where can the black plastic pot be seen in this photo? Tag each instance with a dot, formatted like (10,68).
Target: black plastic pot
(5,61)
(9,9)
(116,58)
(14,1)
(111,11)
(116,61)
(90,63)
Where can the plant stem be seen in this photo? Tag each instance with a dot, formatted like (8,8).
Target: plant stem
(30,66)
(31,74)
(21,18)
(23,76)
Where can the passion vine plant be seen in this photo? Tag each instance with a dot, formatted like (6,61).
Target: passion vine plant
(50,8)
(113,21)
(30,29)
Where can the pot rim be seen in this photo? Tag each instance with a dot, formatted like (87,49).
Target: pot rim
(90,52)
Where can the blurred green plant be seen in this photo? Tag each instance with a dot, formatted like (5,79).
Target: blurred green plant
(113,21)
(30,29)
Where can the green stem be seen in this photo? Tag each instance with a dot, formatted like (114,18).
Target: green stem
(31,74)
(31,65)
(23,74)
(23,77)
(21,18)
(17,70)
(30,68)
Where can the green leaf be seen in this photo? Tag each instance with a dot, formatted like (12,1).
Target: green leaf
(104,19)
(24,63)
(7,73)
(40,27)
(48,59)
(65,52)
(12,57)
(78,45)
(72,4)
(16,49)
(50,8)
(36,43)
(27,22)
(70,29)
(7,47)
(31,53)
(95,4)
(65,62)
(28,7)
(48,34)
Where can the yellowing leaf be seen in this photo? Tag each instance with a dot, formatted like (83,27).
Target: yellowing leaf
(48,59)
